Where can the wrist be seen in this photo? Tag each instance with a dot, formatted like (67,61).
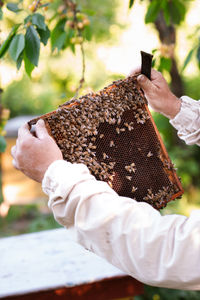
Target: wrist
(173,108)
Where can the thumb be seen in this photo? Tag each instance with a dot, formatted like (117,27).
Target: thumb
(144,82)
(40,129)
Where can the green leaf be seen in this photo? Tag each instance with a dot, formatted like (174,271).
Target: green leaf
(165,64)
(1,14)
(87,33)
(38,21)
(188,58)
(154,51)
(177,11)
(27,19)
(70,34)
(198,53)
(44,35)
(153,63)
(89,12)
(56,32)
(32,45)
(13,7)
(28,65)
(4,47)
(60,41)
(19,61)
(131,2)
(166,11)
(153,10)
(73,49)
(2,144)
(16,46)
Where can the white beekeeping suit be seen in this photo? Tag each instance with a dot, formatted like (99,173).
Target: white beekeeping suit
(157,250)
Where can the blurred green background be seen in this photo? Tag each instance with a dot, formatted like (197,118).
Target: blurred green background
(118,35)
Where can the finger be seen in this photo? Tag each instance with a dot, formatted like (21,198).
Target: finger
(155,74)
(40,129)
(24,131)
(13,151)
(144,82)
(15,165)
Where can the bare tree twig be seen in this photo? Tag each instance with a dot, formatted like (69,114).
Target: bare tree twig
(82,80)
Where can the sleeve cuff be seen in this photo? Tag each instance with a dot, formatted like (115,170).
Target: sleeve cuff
(187,113)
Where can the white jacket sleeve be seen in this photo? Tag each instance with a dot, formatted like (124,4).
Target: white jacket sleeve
(187,121)
(157,250)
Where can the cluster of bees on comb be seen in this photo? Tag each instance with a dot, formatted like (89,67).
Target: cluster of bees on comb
(103,130)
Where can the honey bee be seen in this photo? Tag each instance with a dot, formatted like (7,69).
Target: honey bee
(119,120)
(117,130)
(105,156)
(134,189)
(149,154)
(112,144)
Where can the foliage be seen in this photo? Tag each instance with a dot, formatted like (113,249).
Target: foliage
(4,115)
(25,101)
(64,22)
(153,293)
(173,13)
(26,219)
(195,51)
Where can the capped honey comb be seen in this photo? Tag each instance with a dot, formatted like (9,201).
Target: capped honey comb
(113,133)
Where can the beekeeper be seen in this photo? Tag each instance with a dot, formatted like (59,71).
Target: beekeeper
(162,251)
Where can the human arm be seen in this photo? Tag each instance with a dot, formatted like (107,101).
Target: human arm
(161,251)
(184,113)
(158,250)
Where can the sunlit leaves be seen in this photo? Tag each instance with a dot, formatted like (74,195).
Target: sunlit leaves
(60,41)
(16,46)
(44,35)
(166,12)
(193,53)
(87,33)
(57,35)
(131,2)
(198,54)
(70,28)
(152,11)
(1,14)
(165,64)
(177,11)
(161,62)
(2,144)
(39,21)
(173,11)
(4,47)
(188,59)
(32,45)
(13,7)
(19,61)
(42,29)
(28,65)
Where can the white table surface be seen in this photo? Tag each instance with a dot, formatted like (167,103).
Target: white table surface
(47,260)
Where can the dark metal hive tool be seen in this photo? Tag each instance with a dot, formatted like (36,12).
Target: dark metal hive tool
(114,134)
